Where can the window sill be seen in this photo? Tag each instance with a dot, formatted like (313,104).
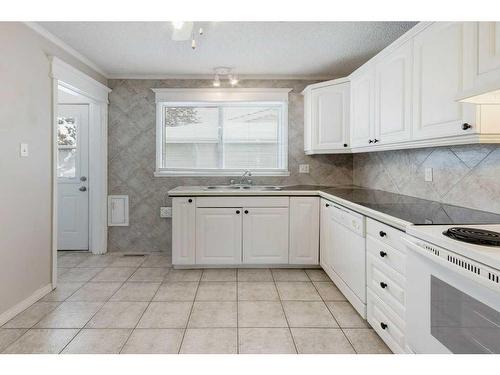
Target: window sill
(229,173)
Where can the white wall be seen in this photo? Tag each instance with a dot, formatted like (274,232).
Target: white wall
(25,183)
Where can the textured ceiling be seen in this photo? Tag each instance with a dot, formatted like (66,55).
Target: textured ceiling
(305,49)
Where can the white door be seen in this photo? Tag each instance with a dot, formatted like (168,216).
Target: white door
(218,235)
(393,96)
(330,117)
(438,77)
(72,177)
(304,230)
(362,104)
(265,235)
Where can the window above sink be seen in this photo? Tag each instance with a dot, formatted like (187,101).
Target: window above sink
(222,132)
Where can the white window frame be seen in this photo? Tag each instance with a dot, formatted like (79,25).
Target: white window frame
(208,96)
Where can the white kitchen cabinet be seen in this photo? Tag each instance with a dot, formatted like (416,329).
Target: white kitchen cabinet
(393,75)
(362,108)
(183,230)
(265,235)
(438,77)
(483,63)
(326,117)
(218,235)
(304,230)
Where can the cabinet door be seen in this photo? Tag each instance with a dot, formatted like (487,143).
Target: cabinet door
(362,103)
(438,72)
(393,96)
(325,245)
(483,51)
(304,230)
(218,235)
(265,235)
(183,230)
(330,116)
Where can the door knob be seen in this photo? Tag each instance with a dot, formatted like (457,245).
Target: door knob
(82,188)
(83,178)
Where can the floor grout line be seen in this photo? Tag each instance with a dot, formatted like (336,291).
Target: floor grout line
(284,313)
(190,312)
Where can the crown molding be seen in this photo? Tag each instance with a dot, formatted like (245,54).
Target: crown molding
(58,42)
(241,77)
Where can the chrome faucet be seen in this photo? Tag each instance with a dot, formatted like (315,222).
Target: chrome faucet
(244,180)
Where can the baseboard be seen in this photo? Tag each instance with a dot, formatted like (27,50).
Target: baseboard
(24,304)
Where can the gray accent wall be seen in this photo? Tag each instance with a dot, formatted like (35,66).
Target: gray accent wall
(462,175)
(131,160)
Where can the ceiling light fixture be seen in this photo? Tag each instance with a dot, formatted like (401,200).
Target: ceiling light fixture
(223,71)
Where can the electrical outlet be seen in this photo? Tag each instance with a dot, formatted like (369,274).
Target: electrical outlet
(165,212)
(303,168)
(428,174)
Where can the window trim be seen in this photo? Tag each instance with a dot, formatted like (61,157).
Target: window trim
(215,97)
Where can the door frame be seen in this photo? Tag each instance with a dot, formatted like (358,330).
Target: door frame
(65,77)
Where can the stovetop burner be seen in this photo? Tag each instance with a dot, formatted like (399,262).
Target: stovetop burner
(474,236)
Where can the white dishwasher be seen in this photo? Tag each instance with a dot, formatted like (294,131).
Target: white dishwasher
(345,253)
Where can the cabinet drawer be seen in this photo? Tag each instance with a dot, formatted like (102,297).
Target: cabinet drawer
(387,284)
(386,323)
(386,254)
(385,233)
(242,201)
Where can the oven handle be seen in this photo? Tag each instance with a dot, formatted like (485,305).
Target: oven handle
(451,266)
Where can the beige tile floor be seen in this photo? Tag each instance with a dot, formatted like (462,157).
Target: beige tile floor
(117,304)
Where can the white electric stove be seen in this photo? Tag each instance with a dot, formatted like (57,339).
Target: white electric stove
(453,288)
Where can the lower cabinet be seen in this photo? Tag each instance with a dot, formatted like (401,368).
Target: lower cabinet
(265,235)
(247,230)
(218,235)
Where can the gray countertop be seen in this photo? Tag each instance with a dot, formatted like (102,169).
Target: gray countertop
(393,209)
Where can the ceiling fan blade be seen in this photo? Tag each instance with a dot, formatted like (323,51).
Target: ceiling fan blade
(182,31)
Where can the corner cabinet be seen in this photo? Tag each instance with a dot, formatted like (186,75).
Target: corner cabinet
(245,230)
(326,117)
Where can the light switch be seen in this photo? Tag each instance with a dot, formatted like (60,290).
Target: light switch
(23,150)
(165,212)
(428,174)
(303,168)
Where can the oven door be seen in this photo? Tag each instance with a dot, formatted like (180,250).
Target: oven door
(447,311)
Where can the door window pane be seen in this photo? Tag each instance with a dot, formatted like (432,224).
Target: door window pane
(66,143)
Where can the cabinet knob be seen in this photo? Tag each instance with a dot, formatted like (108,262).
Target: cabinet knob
(327,205)
(383,254)
(190,200)
(370,141)
(246,211)
(345,144)
(466,126)
(376,140)
(383,285)
(382,233)
(237,211)
(383,325)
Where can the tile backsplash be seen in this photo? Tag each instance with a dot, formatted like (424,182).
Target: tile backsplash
(131,160)
(466,175)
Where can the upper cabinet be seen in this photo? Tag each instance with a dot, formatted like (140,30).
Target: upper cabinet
(362,95)
(437,85)
(483,65)
(326,127)
(438,75)
(393,96)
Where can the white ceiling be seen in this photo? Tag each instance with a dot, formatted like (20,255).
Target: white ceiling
(302,49)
